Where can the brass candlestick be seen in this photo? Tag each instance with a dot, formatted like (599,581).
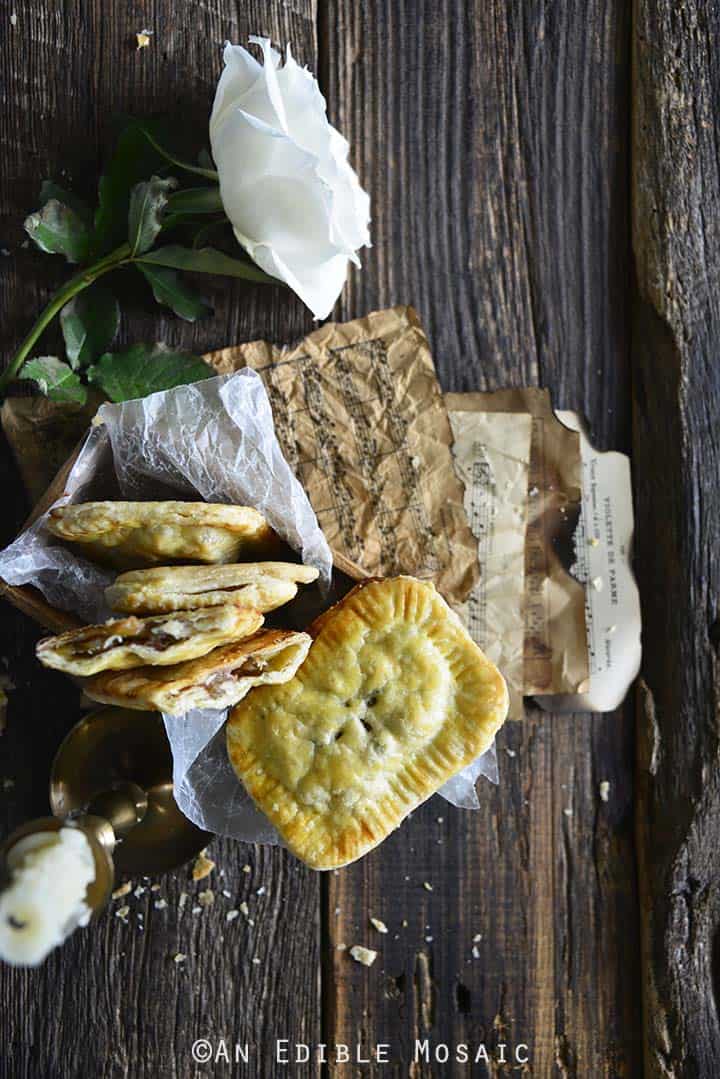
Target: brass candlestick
(112,778)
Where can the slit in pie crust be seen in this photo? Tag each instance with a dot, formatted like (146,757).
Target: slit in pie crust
(393,699)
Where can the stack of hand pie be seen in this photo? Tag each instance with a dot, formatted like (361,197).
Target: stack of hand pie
(190,636)
(392,700)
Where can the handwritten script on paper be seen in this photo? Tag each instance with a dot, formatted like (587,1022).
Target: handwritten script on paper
(361,419)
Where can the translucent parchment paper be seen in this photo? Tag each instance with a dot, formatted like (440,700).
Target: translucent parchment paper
(213,440)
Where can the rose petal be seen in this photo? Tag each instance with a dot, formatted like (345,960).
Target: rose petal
(289,214)
(317,286)
(240,73)
(287,187)
(272,62)
(268,154)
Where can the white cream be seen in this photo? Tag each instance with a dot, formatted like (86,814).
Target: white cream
(45,900)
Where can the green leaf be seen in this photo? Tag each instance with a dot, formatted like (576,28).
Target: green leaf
(133,159)
(58,230)
(208,173)
(205,161)
(144,369)
(89,323)
(50,190)
(55,379)
(205,233)
(196,200)
(206,260)
(148,200)
(170,289)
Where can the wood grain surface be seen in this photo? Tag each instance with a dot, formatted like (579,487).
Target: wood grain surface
(676,196)
(494,139)
(112,1002)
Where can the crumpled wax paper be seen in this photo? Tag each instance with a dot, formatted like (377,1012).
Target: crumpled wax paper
(213,440)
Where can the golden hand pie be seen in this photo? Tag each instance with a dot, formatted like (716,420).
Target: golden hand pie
(128,534)
(261,585)
(124,643)
(217,680)
(393,699)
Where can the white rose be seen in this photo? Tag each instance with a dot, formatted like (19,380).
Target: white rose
(294,202)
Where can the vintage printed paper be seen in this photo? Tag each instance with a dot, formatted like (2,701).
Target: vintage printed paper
(554,642)
(492,455)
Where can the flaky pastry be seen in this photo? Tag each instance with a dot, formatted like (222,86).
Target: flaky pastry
(393,699)
(124,643)
(217,680)
(260,585)
(128,534)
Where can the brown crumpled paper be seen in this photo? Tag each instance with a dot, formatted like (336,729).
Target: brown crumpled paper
(361,419)
(42,434)
(554,655)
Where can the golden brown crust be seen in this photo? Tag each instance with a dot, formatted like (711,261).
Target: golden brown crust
(125,643)
(317,624)
(128,534)
(393,699)
(261,585)
(217,680)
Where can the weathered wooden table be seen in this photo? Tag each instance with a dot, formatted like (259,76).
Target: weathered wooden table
(546,189)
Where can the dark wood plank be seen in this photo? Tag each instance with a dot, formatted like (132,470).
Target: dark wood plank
(112,1002)
(676,194)
(494,141)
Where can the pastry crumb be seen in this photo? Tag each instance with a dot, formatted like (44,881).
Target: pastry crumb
(379,925)
(139,891)
(247,869)
(605,790)
(206,898)
(179,957)
(196,910)
(475,952)
(594,541)
(510,752)
(154,887)
(261,890)
(244,908)
(342,947)
(122,890)
(427,886)
(203,866)
(477,938)
(232,915)
(122,912)
(568,811)
(256,960)
(366,956)
(143,38)
(182,900)
(160,904)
